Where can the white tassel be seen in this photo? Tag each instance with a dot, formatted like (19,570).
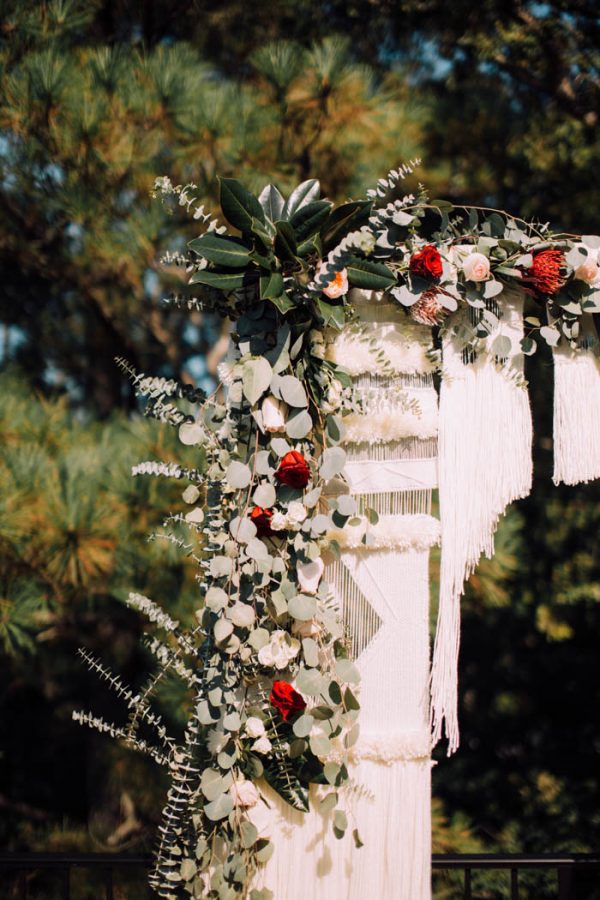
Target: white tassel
(577,411)
(390,808)
(484,464)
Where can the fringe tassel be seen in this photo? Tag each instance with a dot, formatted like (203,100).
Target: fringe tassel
(577,411)
(484,464)
(390,808)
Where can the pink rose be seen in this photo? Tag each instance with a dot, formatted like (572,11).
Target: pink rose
(338,287)
(589,271)
(476,267)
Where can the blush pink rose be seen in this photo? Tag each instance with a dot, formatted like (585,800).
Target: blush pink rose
(589,271)
(338,287)
(476,267)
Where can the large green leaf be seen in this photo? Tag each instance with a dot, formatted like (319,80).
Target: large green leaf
(283,303)
(239,205)
(345,218)
(271,286)
(332,315)
(302,195)
(272,202)
(225,281)
(373,276)
(308,219)
(222,250)
(285,242)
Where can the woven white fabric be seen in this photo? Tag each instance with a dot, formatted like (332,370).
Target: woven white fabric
(382,589)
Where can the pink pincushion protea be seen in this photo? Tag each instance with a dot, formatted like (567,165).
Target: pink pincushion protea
(428,310)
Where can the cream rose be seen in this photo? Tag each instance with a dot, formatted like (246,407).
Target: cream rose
(589,271)
(255,727)
(310,574)
(273,414)
(280,650)
(296,513)
(244,793)
(278,521)
(476,267)
(338,286)
(262,745)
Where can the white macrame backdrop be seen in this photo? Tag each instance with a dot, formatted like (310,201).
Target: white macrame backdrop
(383,591)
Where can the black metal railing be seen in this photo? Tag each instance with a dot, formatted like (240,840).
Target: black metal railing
(64,876)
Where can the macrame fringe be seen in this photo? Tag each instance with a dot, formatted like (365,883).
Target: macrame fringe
(577,413)
(400,533)
(484,464)
(389,805)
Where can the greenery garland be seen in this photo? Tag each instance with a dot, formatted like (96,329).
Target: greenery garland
(273,689)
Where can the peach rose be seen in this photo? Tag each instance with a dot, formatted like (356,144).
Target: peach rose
(338,286)
(588,271)
(476,267)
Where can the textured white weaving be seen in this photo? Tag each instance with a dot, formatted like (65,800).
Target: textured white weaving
(381,583)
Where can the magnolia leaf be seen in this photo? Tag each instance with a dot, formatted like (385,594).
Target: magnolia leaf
(223,281)
(307,220)
(222,250)
(238,205)
(302,607)
(265,496)
(238,475)
(303,725)
(292,391)
(219,808)
(272,202)
(271,286)
(285,242)
(299,425)
(301,196)
(333,461)
(369,275)
(256,378)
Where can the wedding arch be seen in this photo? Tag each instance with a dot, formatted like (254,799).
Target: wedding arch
(376,356)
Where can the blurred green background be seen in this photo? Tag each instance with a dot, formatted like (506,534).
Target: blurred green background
(500,99)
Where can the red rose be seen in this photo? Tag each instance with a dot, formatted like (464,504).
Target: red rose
(286,700)
(546,274)
(262,519)
(427,263)
(293,470)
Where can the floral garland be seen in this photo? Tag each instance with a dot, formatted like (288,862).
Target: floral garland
(274,692)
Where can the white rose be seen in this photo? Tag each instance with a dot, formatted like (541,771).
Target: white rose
(244,793)
(273,414)
(296,513)
(262,745)
(278,521)
(309,575)
(476,267)
(280,650)
(255,727)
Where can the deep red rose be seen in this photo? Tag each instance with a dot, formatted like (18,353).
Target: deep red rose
(262,519)
(286,700)
(293,470)
(427,263)
(546,273)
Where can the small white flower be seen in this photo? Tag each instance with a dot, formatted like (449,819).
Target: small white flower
(296,513)
(278,521)
(280,650)
(309,575)
(255,727)
(244,793)
(476,267)
(274,414)
(262,745)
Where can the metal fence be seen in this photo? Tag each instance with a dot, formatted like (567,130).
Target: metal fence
(64,876)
